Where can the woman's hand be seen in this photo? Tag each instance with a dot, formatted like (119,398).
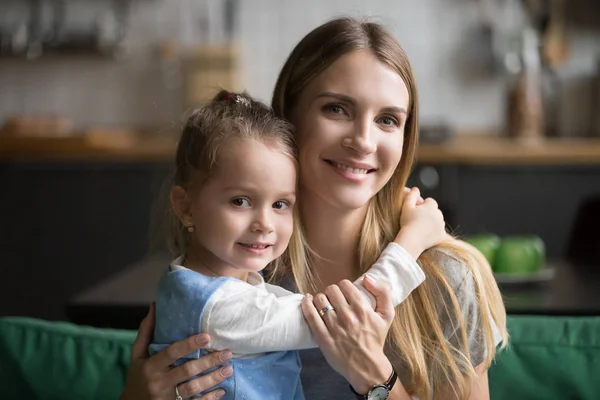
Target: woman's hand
(352,336)
(152,377)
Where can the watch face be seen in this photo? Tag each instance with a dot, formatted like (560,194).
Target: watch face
(378,393)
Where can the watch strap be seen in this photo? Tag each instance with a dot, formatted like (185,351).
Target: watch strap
(389,384)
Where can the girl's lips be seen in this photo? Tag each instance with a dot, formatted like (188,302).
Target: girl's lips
(258,248)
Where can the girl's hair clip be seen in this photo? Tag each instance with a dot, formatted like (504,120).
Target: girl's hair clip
(237,99)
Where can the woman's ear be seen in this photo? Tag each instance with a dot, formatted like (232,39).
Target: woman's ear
(181,205)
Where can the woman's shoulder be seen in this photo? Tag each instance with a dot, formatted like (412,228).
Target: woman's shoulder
(453,267)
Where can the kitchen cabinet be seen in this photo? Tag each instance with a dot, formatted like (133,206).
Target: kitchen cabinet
(74,213)
(513,199)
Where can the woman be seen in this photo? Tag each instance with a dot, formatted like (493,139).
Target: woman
(349,89)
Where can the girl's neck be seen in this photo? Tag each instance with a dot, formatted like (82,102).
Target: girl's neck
(203,261)
(333,234)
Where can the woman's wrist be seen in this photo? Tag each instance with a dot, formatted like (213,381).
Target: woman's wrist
(367,377)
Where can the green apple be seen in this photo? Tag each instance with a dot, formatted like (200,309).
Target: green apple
(487,244)
(520,255)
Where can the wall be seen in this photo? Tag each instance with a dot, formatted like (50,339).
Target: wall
(438,35)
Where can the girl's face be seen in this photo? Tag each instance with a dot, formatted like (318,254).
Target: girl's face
(243,214)
(350,127)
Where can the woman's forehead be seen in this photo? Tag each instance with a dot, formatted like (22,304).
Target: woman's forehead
(362,77)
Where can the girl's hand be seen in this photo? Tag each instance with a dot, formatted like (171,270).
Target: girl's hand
(422,224)
(152,377)
(352,336)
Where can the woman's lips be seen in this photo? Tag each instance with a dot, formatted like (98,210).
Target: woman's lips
(354,172)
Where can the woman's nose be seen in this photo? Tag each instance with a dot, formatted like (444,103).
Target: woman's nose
(361,140)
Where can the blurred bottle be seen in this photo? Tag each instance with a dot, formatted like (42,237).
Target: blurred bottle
(525,103)
(596,110)
(551,91)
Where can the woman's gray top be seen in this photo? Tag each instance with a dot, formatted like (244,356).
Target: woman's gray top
(321,382)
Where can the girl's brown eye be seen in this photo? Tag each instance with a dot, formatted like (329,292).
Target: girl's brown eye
(240,202)
(281,205)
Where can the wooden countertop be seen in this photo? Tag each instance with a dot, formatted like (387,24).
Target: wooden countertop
(493,149)
(141,147)
(461,149)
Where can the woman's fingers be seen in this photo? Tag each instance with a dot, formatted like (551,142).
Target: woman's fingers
(323,305)
(167,356)
(384,305)
(354,296)
(336,298)
(215,394)
(204,382)
(202,364)
(314,320)
(352,336)
(153,377)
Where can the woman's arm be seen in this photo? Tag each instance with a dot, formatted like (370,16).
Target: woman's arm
(152,378)
(480,388)
(248,320)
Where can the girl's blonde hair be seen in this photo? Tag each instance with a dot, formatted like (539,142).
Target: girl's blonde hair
(228,116)
(416,334)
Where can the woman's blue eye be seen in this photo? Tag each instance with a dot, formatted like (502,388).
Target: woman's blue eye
(334,109)
(240,202)
(389,121)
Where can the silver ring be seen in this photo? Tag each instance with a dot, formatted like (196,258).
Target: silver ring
(177,395)
(326,309)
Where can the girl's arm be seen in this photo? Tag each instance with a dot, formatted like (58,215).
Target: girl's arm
(248,320)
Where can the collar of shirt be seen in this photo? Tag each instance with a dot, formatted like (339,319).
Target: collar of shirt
(254,278)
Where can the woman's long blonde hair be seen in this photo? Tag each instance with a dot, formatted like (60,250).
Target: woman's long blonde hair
(436,365)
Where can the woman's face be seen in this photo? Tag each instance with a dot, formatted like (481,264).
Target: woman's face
(350,125)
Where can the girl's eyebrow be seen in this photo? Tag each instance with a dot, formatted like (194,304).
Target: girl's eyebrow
(249,189)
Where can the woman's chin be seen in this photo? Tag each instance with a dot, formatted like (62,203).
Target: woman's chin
(348,203)
(336,196)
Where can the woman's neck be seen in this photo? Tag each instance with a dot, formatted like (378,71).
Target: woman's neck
(333,234)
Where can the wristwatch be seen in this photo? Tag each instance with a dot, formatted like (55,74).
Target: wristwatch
(378,392)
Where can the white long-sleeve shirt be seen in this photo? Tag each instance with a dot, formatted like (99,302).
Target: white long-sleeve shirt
(254,317)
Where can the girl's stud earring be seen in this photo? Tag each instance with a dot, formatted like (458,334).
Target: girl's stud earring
(190,228)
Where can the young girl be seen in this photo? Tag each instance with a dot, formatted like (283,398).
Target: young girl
(234,199)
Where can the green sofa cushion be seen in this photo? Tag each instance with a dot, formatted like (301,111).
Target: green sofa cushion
(59,360)
(548,358)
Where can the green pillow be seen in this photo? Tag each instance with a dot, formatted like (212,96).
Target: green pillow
(59,360)
(548,358)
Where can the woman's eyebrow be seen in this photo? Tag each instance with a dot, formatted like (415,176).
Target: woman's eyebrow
(338,96)
(393,110)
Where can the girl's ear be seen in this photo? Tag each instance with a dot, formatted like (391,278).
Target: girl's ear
(181,205)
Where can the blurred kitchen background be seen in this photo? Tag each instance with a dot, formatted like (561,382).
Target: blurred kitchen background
(93,92)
